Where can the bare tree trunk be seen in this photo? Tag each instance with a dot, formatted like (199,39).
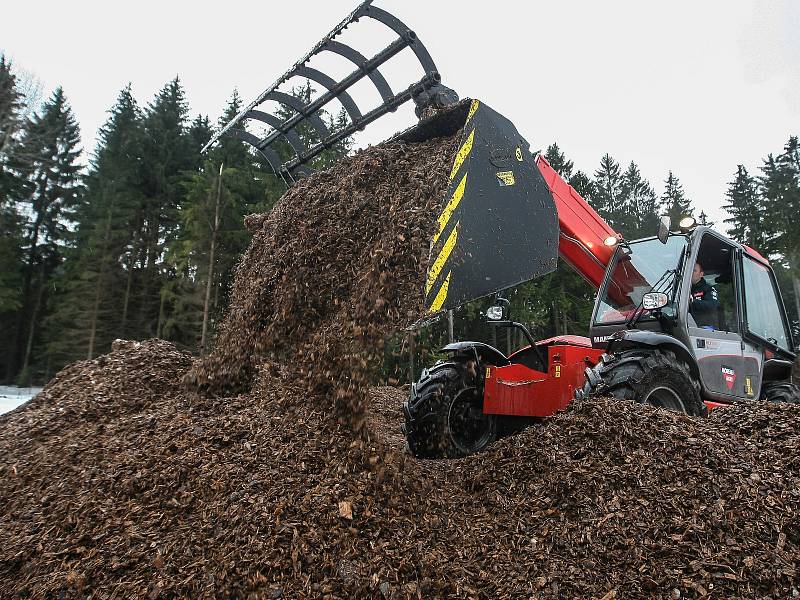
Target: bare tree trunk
(93,326)
(210,278)
(99,285)
(34,315)
(554,317)
(128,286)
(161,315)
(16,348)
(450,337)
(411,374)
(149,276)
(126,300)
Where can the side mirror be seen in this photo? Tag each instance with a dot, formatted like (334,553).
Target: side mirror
(654,300)
(498,312)
(495,313)
(663,229)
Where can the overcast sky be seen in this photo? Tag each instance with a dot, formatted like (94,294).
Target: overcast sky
(695,87)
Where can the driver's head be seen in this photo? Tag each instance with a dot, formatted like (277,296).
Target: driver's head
(697,273)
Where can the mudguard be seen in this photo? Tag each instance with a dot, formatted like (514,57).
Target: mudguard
(488,354)
(631,338)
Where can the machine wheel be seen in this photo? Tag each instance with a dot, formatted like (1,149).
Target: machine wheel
(654,377)
(780,392)
(443,416)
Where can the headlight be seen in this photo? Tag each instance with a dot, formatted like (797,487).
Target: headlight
(654,300)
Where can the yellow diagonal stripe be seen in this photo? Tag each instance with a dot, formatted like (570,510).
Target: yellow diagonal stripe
(451,207)
(441,296)
(437,265)
(472,108)
(463,152)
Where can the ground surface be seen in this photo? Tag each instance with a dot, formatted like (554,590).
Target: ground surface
(12,396)
(271,468)
(115,483)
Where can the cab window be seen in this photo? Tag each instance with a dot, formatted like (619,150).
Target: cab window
(763,312)
(715,258)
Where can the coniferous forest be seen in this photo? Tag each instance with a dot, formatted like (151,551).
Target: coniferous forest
(136,234)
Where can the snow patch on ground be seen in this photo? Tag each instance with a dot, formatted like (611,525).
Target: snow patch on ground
(11,397)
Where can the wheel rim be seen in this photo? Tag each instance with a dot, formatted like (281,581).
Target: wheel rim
(665,397)
(470,428)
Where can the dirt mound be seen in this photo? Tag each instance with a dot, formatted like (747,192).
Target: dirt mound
(116,483)
(258,496)
(131,376)
(336,267)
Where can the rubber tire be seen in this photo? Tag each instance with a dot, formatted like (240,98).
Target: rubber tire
(428,427)
(780,392)
(636,374)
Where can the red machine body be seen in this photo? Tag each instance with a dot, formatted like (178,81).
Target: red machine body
(582,230)
(518,390)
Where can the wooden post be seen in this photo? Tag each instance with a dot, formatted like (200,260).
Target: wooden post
(209,282)
(450,338)
(411,374)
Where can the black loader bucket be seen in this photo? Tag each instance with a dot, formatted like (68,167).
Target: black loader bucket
(497,226)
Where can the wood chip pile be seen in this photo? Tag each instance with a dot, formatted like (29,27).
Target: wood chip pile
(333,270)
(274,472)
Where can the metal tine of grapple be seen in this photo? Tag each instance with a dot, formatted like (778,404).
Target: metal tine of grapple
(365,67)
(288,74)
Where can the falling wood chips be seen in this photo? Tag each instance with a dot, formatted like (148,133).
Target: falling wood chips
(274,472)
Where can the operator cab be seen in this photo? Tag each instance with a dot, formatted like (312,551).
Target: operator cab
(727,322)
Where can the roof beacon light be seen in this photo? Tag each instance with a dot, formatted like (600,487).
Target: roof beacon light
(687,223)
(611,240)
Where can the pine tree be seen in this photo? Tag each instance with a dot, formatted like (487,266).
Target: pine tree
(11,221)
(747,217)
(218,196)
(780,190)
(559,161)
(11,123)
(50,148)
(673,202)
(229,150)
(168,154)
(308,135)
(200,132)
(88,314)
(565,167)
(11,187)
(583,184)
(638,203)
(703,219)
(607,193)
(785,210)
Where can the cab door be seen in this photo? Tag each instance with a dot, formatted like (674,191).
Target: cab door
(728,371)
(764,320)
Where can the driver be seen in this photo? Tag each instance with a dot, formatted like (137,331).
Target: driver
(703,300)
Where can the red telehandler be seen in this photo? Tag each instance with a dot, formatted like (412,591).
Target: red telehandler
(505,219)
